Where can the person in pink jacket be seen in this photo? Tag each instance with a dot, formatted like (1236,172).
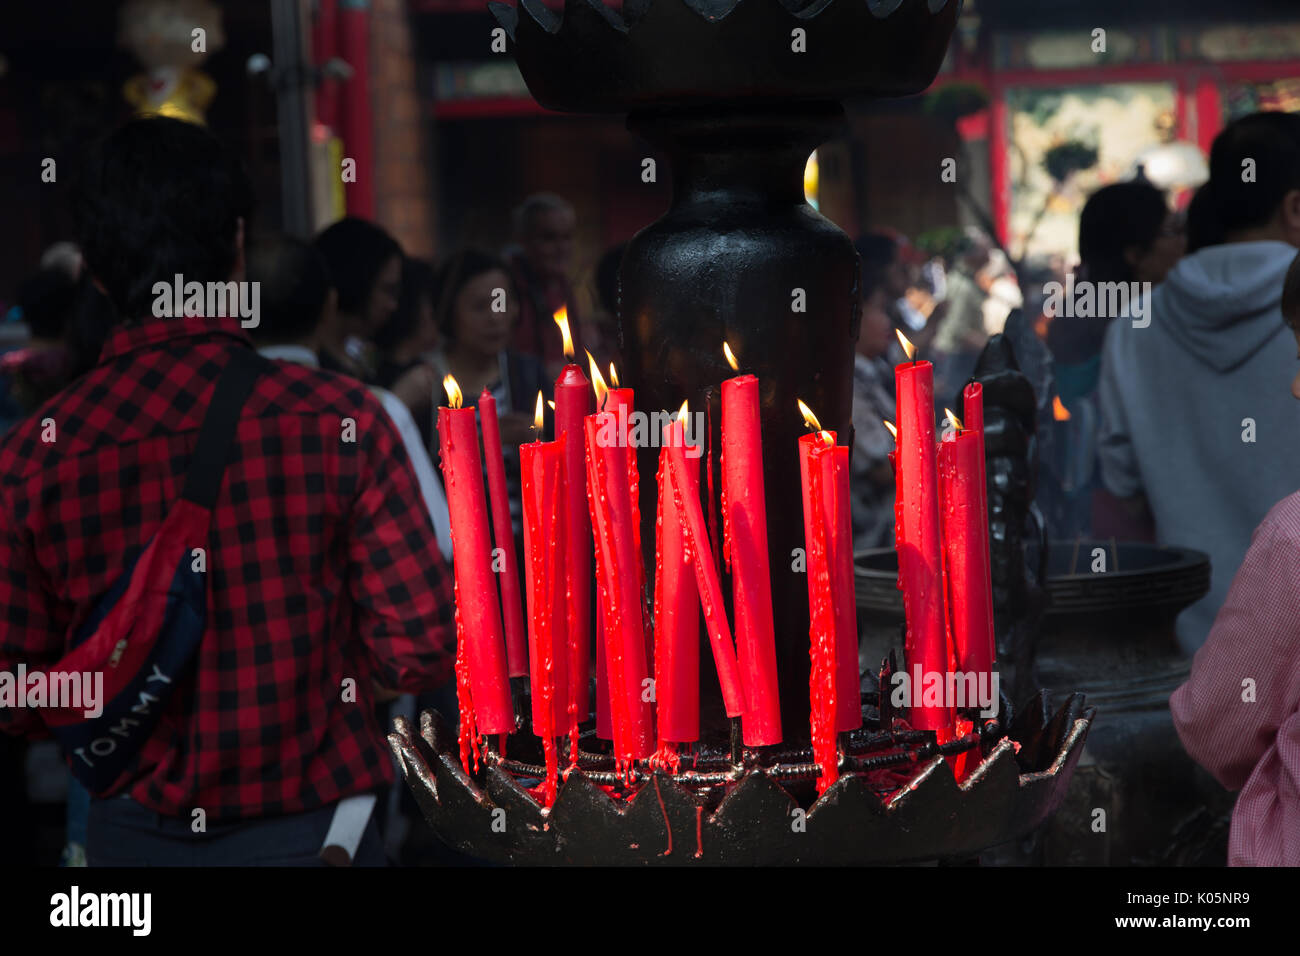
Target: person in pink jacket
(1238,714)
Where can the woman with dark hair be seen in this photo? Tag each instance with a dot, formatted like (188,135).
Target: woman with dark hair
(1127,234)
(365,265)
(478,305)
(407,340)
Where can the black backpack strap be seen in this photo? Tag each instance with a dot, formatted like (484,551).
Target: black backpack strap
(217,433)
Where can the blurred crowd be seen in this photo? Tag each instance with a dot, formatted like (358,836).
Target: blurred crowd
(1178,431)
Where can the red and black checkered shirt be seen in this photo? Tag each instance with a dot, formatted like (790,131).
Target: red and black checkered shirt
(322,566)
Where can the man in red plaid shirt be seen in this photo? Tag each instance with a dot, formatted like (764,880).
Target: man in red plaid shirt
(325,580)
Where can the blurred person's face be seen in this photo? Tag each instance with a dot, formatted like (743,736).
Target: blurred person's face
(876,332)
(1153,264)
(383,296)
(549,243)
(478,328)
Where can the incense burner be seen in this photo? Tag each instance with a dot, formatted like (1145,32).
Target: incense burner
(734,95)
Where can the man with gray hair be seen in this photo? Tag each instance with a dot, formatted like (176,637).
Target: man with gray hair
(544,226)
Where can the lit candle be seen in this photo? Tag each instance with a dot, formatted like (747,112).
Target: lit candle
(969,575)
(624,636)
(511,611)
(699,554)
(618,401)
(917,536)
(481,657)
(677,606)
(744,544)
(837,523)
(821,607)
(542,470)
(572,405)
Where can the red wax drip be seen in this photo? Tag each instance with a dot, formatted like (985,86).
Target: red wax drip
(664,810)
(708,467)
(822,634)
(467,735)
(699,831)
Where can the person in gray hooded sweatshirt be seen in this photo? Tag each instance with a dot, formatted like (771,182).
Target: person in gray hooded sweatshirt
(1194,418)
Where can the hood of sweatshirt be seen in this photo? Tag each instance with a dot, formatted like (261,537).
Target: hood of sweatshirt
(1223,303)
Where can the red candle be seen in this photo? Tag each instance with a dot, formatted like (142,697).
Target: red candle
(744,549)
(624,636)
(973,631)
(917,537)
(677,608)
(833,460)
(814,451)
(477,608)
(618,401)
(839,535)
(542,471)
(572,405)
(706,578)
(511,612)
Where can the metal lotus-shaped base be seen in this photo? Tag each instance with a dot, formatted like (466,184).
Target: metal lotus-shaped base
(653,53)
(1017,785)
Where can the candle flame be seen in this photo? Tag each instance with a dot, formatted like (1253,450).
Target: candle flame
(538,414)
(908,347)
(551,403)
(731,357)
(892,430)
(809,418)
(952,418)
(1059,412)
(561,317)
(681,412)
(827,439)
(454,397)
(597,382)
(613,375)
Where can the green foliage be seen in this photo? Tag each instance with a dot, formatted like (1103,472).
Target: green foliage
(1068,157)
(954,101)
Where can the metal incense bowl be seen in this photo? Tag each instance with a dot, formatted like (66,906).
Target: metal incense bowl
(761,810)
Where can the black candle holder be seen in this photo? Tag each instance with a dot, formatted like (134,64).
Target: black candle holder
(896,799)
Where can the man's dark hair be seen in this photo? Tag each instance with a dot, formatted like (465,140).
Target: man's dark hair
(1271,141)
(294,285)
(1203,228)
(158,197)
(419,285)
(1114,219)
(1291,295)
(47,301)
(355,252)
(455,274)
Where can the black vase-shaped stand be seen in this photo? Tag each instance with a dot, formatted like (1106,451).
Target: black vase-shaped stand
(741,257)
